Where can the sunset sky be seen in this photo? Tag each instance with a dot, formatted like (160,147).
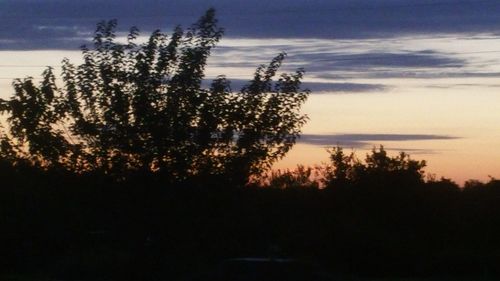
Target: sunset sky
(415,76)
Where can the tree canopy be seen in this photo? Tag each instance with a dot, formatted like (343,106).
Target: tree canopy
(142,107)
(378,169)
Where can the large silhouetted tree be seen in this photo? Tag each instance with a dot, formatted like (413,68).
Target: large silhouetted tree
(133,107)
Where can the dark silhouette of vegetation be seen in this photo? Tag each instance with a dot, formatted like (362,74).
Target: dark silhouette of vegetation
(378,169)
(386,221)
(94,176)
(132,108)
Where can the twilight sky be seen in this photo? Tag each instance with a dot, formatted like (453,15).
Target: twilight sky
(420,76)
(36,24)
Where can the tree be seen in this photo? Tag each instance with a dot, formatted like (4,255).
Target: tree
(378,169)
(141,108)
(340,171)
(300,177)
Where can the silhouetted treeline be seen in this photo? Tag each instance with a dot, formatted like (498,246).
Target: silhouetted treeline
(383,221)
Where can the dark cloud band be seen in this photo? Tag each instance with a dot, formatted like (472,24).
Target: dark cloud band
(21,19)
(365,140)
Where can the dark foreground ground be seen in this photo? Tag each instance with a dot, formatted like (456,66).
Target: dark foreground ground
(87,229)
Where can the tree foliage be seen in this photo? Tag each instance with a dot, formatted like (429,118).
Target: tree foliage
(378,168)
(301,177)
(133,107)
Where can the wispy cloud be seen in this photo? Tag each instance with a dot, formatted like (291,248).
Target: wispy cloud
(409,74)
(341,60)
(318,87)
(418,59)
(366,140)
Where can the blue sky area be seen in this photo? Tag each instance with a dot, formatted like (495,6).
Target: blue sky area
(62,24)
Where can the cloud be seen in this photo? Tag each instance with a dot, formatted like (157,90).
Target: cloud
(344,87)
(320,62)
(365,140)
(332,19)
(462,85)
(318,87)
(433,75)
(330,60)
(408,74)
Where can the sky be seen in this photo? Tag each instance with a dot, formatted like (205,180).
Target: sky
(419,76)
